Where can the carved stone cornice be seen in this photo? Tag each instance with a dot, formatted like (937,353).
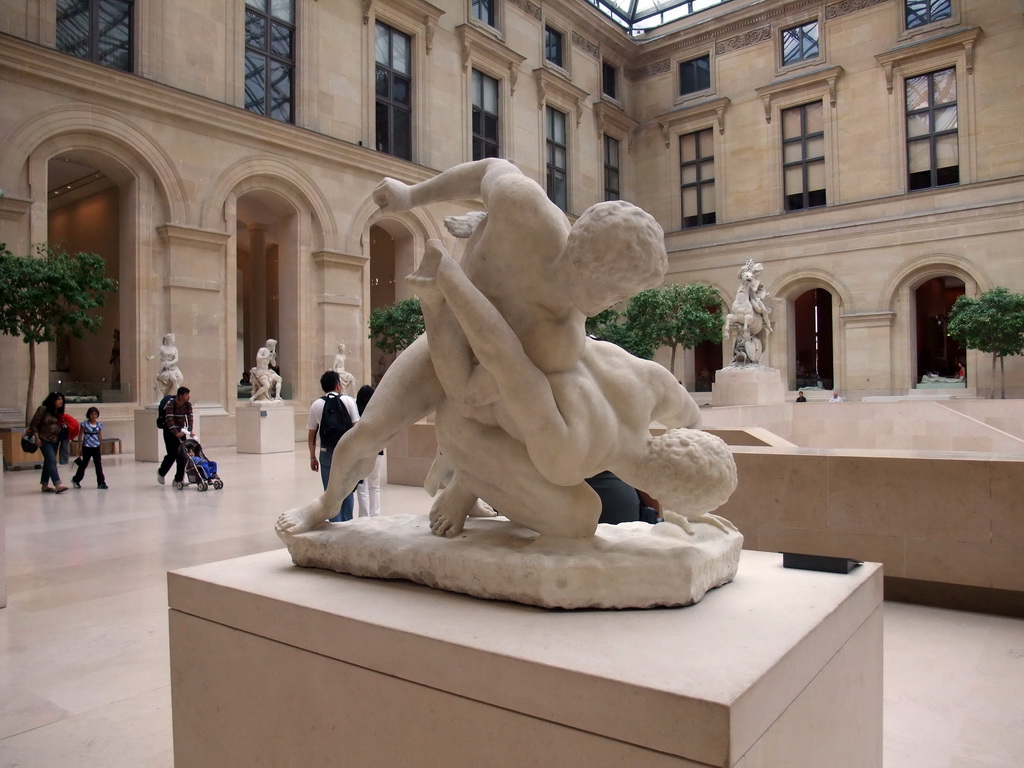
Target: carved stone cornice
(579,41)
(207,239)
(835,10)
(608,115)
(747,39)
(713,110)
(530,9)
(948,43)
(649,70)
(415,12)
(475,44)
(819,78)
(549,82)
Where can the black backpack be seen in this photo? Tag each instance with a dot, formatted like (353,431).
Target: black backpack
(161,411)
(334,422)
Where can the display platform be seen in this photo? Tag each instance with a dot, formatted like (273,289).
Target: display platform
(272,664)
(747,385)
(265,428)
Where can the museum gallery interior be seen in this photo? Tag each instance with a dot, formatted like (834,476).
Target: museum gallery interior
(840,173)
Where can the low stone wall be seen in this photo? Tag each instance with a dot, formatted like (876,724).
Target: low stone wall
(934,518)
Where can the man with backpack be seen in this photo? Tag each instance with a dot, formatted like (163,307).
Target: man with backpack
(330,417)
(174,415)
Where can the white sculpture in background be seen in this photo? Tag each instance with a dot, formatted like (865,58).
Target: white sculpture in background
(748,323)
(348,381)
(169,377)
(266,383)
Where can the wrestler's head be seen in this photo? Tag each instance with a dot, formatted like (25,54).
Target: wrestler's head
(615,250)
(689,471)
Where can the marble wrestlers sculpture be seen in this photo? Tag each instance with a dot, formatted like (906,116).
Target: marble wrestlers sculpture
(544,407)
(266,383)
(348,381)
(169,377)
(748,323)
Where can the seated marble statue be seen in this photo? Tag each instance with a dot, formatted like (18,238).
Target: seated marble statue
(266,384)
(348,381)
(535,275)
(169,377)
(934,378)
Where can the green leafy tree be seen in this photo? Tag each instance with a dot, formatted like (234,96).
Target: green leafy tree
(396,326)
(50,292)
(993,322)
(673,316)
(611,325)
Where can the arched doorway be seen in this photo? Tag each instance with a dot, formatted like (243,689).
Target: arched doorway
(86,191)
(813,356)
(391,259)
(266,256)
(937,353)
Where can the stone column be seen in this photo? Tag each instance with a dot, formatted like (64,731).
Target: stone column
(343,310)
(866,359)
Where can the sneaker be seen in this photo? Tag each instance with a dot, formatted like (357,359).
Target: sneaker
(76,483)
(159,477)
(102,486)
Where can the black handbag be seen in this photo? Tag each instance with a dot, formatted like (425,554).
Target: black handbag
(28,443)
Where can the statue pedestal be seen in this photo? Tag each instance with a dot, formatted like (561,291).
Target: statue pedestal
(781,667)
(748,385)
(265,428)
(149,439)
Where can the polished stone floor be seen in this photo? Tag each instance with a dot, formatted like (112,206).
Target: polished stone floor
(84,679)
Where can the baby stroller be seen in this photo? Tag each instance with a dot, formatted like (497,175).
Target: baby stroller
(198,468)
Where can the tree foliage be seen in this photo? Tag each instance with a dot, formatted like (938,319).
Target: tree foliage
(673,316)
(50,292)
(993,322)
(396,326)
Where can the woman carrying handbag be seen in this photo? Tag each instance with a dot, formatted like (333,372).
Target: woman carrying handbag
(46,426)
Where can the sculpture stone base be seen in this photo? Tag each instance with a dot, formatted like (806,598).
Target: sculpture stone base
(747,385)
(634,565)
(149,439)
(277,665)
(265,428)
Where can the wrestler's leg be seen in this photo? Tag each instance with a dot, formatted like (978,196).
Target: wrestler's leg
(408,392)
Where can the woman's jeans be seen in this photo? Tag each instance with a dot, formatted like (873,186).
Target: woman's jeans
(49,451)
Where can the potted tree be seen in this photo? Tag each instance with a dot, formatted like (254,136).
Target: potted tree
(42,294)
(993,322)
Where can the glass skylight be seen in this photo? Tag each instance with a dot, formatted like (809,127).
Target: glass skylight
(642,15)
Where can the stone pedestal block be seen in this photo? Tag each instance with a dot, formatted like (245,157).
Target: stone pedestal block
(149,439)
(277,665)
(265,428)
(747,385)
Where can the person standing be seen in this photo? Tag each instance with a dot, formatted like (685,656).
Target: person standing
(46,424)
(327,418)
(91,436)
(368,490)
(800,397)
(177,419)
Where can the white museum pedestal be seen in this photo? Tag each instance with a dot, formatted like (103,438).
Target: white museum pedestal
(750,385)
(149,439)
(272,664)
(265,428)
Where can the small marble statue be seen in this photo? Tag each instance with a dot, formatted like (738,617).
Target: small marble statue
(934,378)
(348,381)
(266,384)
(748,324)
(169,378)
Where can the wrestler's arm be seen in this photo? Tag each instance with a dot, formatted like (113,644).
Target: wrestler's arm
(465,181)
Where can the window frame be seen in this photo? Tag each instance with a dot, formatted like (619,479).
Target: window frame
(495,7)
(550,143)
(784,66)
(268,57)
(392,105)
(906,31)
(804,162)
(93,38)
(549,31)
(616,74)
(699,183)
(609,168)
(679,62)
(932,135)
(474,107)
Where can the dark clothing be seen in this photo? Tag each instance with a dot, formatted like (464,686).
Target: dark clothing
(46,425)
(620,503)
(87,454)
(177,416)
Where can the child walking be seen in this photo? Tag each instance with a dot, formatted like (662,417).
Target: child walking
(91,435)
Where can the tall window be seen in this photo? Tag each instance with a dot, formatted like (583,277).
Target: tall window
(695,75)
(483,10)
(97,30)
(558,166)
(800,43)
(553,46)
(485,116)
(394,92)
(803,156)
(697,172)
(270,58)
(921,12)
(933,152)
(609,80)
(611,168)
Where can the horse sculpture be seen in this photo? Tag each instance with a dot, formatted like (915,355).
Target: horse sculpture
(748,324)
